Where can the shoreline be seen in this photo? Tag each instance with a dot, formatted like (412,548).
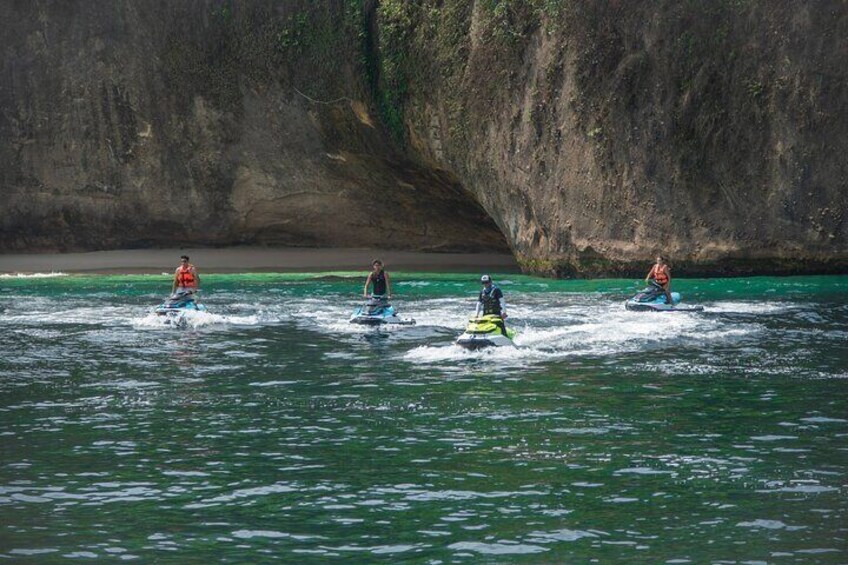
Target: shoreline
(253,259)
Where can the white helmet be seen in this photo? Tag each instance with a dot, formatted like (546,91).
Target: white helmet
(485,279)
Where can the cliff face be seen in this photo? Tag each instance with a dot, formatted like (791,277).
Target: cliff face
(599,133)
(594,134)
(182,123)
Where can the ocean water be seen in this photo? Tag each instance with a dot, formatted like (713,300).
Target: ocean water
(270,429)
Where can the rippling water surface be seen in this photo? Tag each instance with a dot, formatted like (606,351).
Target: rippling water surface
(271,429)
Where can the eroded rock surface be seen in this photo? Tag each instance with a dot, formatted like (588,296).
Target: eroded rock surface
(589,135)
(599,133)
(134,124)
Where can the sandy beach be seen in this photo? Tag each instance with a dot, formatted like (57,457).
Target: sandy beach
(248,259)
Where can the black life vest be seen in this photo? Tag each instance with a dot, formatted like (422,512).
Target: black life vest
(379,282)
(491,300)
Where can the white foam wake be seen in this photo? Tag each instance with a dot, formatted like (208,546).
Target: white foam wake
(193,319)
(567,326)
(32,275)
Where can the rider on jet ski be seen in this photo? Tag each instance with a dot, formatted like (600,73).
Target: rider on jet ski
(380,279)
(186,279)
(660,275)
(491,302)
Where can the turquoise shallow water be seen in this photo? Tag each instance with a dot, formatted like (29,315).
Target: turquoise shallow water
(270,429)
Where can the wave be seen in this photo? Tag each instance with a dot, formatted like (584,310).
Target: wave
(194,319)
(49,275)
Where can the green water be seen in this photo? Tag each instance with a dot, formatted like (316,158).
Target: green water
(271,429)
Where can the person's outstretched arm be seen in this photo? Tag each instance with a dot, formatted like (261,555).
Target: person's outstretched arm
(176,281)
(196,277)
(388,286)
(367,282)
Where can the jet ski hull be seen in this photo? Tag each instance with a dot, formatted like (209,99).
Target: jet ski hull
(365,320)
(378,313)
(485,332)
(652,299)
(175,309)
(167,310)
(635,306)
(474,342)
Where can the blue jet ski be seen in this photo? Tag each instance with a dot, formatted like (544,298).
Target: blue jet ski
(177,305)
(653,299)
(376,312)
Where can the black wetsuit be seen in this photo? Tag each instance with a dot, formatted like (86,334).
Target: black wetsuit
(379,282)
(491,300)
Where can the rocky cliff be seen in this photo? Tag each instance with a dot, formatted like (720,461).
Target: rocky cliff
(599,133)
(159,123)
(593,134)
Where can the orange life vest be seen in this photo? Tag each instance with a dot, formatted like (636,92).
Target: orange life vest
(659,274)
(185,277)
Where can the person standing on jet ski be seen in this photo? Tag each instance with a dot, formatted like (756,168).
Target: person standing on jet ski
(661,275)
(491,302)
(380,279)
(186,279)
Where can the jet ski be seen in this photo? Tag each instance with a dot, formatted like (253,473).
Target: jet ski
(376,312)
(486,331)
(177,305)
(653,299)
